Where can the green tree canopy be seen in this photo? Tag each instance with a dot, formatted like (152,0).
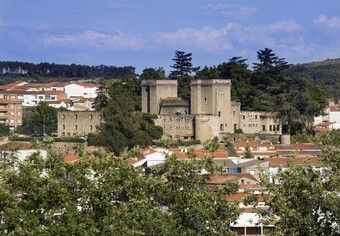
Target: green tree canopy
(153,74)
(125,125)
(182,72)
(305,201)
(104,195)
(42,118)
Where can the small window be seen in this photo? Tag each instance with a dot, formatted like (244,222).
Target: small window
(91,117)
(205,99)
(278,127)
(234,113)
(263,128)
(63,126)
(76,127)
(219,114)
(255,116)
(76,116)
(91,127)
(63,117)
(270,128)
(244,117)
(221,127)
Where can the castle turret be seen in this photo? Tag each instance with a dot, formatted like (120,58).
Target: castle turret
(153,91)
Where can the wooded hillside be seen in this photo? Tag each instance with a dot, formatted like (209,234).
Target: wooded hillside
(326,74)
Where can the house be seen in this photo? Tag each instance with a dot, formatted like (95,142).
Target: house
(258,149)
(21,150)
(10,112)
(81,90)
(298,150)
(275,163)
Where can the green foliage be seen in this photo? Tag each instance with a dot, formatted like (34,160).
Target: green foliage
(182,72)
(101,100)
(125,126)
(326,139)
(4,130)
(325,74)
(104,195)
(306,201)
(247,153)
(207,73)
(42,72)
(41,119)
(153,74)
(211,145)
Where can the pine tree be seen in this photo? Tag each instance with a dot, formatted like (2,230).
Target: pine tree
(183,70)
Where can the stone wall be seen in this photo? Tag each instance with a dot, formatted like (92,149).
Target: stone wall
(78,123)
(177,126)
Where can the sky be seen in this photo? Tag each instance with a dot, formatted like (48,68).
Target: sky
(146,33)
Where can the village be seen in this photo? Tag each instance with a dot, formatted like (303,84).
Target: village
(260,150)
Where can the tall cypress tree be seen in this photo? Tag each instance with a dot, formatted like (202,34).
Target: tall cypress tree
(183,70)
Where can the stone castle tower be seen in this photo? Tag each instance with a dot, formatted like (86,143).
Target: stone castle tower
(153,91)
(211,112)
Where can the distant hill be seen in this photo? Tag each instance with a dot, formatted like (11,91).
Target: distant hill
(323,73)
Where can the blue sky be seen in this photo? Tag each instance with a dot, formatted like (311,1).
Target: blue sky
(146,33)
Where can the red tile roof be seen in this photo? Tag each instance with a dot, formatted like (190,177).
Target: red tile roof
(71,158)
(283,161)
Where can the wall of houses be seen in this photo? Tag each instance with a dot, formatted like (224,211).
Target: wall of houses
(78,123)
(259,122)
(177,126)
(10,112)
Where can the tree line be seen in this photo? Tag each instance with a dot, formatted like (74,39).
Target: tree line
(45,70)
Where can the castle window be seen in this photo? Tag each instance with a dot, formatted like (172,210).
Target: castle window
(255,116)
(234,113)
(244,117)
(63,126)
(76,116)
(274,128)
(219,114)
(270,128)
(91,117)
(205,99)
(76,127)
(263,128)
(221,127)
(91,127)
(63,117)
(278,127)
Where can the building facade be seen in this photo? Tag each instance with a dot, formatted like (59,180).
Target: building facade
(10,112)
(210,113)
(78,123)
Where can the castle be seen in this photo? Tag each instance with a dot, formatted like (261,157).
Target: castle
(210,112)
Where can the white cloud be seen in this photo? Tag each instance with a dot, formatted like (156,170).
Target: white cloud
(233,12)
(232,36)
(206,38)
(333,23)
(287,26)
(99,40)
